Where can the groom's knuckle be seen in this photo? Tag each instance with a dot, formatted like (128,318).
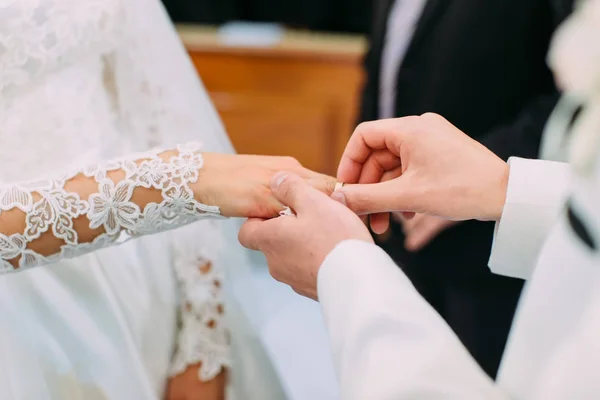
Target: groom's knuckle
(244,235)
(364,125)
(362,128)
(275,274)
(250,236)
(431,117)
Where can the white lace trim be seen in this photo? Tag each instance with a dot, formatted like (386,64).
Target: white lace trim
(110,208)
(203,336)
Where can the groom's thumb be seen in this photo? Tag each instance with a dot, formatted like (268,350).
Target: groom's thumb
(293,191)
(377,197)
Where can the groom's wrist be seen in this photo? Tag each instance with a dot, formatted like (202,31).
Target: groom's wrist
(337,258)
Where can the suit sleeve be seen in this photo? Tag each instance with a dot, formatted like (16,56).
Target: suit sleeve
(522,137)
(536,194)
(370,91)
(387,341)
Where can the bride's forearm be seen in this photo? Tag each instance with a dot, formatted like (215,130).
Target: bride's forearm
(101,204)
(98,205)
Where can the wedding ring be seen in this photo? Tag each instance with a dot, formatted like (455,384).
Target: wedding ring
(286,211)
(338,186)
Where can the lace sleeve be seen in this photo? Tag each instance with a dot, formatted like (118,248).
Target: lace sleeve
(203,336)
(99,205)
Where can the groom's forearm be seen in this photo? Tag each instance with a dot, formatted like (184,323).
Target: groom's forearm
(387,342)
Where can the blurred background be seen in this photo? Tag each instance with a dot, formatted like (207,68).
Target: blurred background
(284,75)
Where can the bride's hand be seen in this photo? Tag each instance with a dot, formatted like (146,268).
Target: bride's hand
(240,184)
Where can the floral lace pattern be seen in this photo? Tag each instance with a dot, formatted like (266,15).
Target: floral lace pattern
(111,207)
(37,36)
(203,336)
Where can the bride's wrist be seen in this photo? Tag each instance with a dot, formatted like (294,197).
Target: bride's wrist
(192,170)
(206,188)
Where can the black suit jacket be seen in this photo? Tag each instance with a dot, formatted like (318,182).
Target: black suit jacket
(482,65)
(328,15)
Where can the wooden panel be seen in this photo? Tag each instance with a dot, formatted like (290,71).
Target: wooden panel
(298,98)
(260,123)
(272,73)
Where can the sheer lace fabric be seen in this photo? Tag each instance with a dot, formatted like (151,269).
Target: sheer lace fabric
(50,206)
(203,336)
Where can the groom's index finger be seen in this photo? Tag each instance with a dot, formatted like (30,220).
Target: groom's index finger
(367,138)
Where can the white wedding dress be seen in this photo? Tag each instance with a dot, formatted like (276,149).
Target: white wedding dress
(82,81)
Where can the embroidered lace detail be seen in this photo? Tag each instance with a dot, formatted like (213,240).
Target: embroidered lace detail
(49,206)
(38,36)
(203,336)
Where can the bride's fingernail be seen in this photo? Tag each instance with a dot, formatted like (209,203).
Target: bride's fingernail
(340,197)
(278,178)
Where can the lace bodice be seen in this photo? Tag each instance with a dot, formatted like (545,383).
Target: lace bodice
(60,59)
(86,81)
(39,37)
(51,56)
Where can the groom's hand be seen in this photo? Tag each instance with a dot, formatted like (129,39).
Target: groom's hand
(295,246)
(421,164)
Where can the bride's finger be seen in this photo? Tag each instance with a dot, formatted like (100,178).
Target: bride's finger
(275,208)
(259,203)
(321,182)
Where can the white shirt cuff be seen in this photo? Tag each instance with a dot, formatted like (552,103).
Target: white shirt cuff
(535,197)
(351,261)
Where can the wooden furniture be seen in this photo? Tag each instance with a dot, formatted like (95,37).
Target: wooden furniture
(298,97)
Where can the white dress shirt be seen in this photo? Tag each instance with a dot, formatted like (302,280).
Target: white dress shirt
(401,25)
(388,343)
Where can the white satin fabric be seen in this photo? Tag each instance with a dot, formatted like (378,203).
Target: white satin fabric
(83,81)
